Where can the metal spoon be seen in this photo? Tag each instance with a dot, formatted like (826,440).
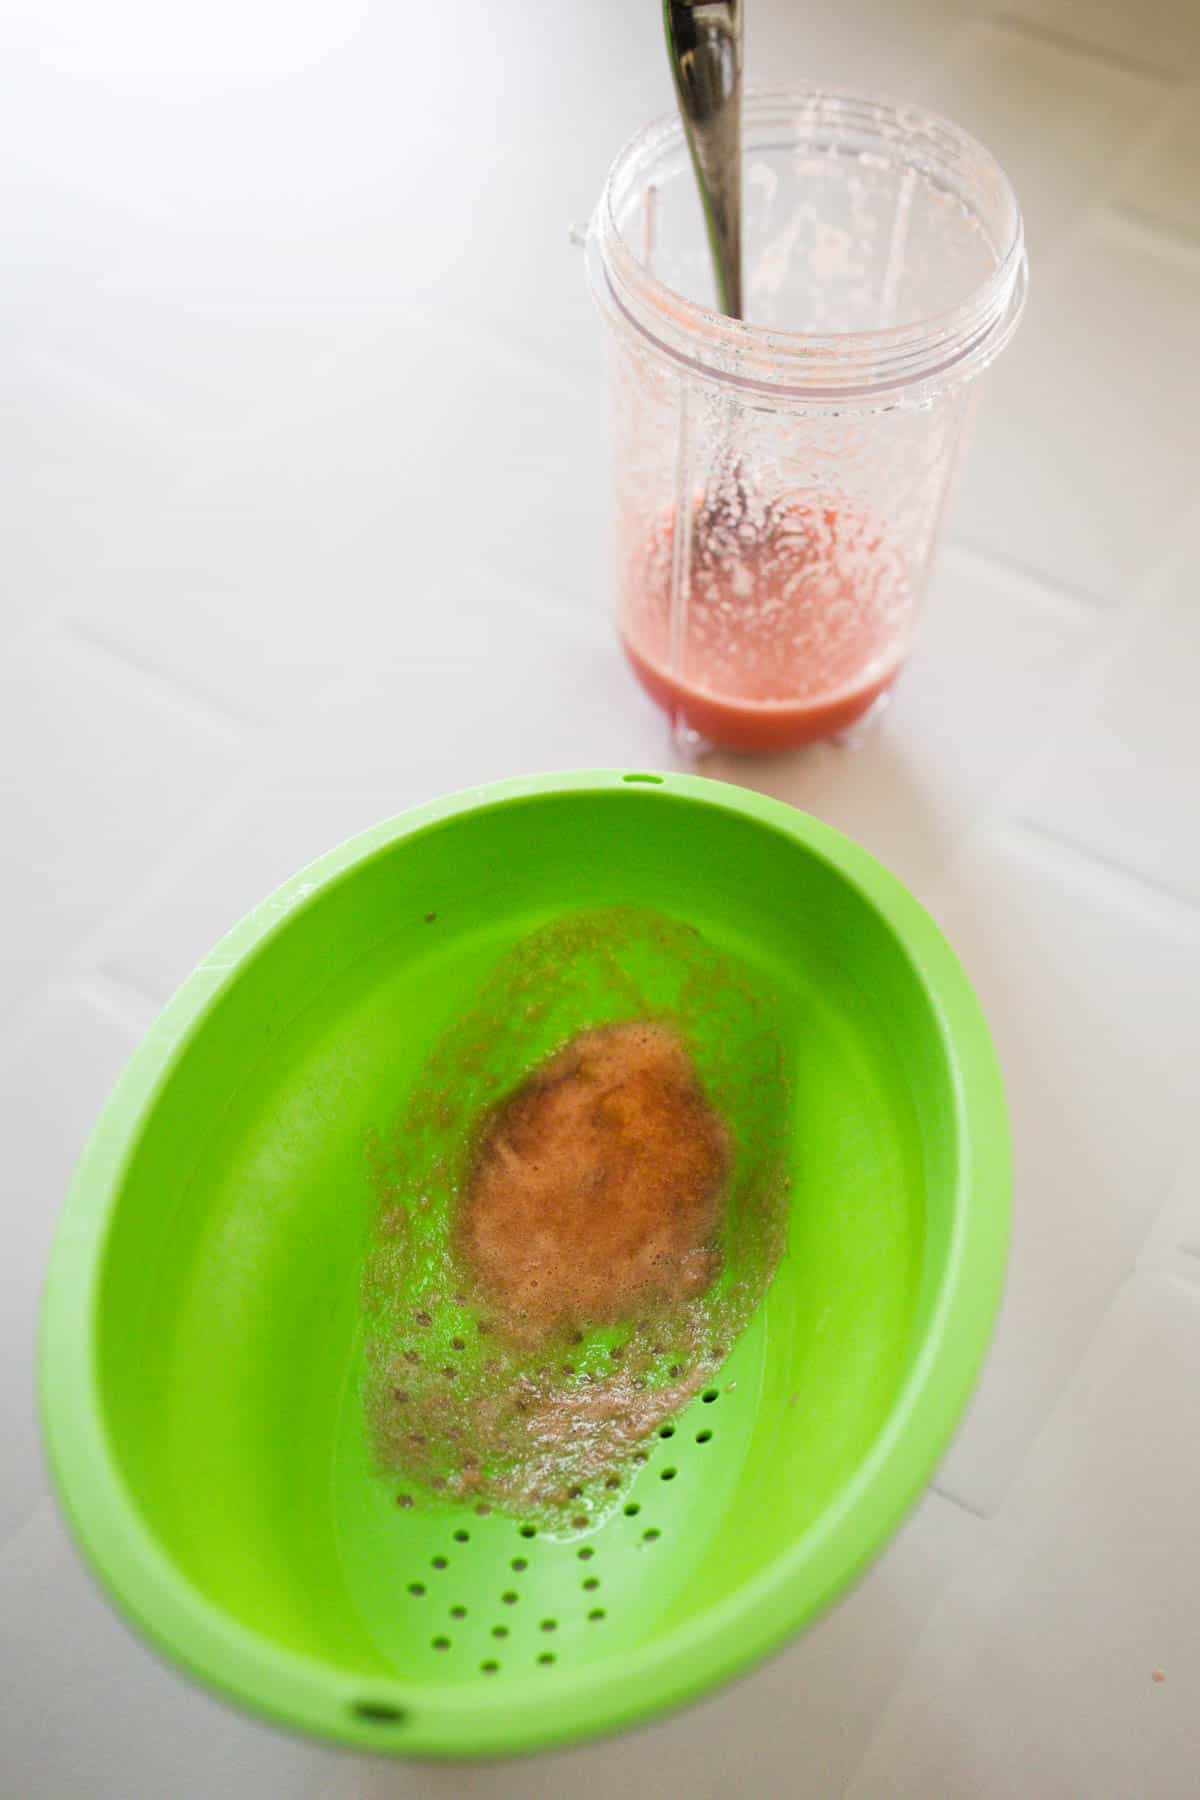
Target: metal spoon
(704,43)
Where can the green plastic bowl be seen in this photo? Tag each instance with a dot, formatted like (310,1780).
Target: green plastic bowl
(201,1335)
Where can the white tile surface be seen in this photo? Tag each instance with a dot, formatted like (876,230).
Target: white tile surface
(1124,777)
(1084,455)
(326,535)
(1160,36)
(995,657)
(422,724)
(82,465)
(105,774)
(86,1709)
(1162,185)
(1176,1232)
(1091,1584)
(54,1078)
(1090,990)
(1058,120)
(857,44)
(304,522)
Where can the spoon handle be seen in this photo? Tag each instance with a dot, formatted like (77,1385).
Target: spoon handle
(704,42)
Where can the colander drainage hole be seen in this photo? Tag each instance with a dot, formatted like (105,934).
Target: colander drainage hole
(458,1612)
(586,1554)
(489,1667)
(519,1564)
(499,1631)
(666,1431)
(415,1588)
(632,1510)
(651,1536)
(702,1437)
(378,1712)
(440,1562)
(509,1599)
(668,1474)
(441,1643)
(462,1537)
(709,1395)
(546,1657)
(596,1614)
(528,1531)
(549,1624)
(593,1581)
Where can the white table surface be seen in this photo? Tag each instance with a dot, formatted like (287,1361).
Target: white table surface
(303,521)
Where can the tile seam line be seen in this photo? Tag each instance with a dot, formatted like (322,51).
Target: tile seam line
(89,955)
(1069,602)
(119,999)
(888,1704)
(961,1505)
(161,688)
(1100,209)
(1040,1438)
(1184,1280)
(1033,31)
(1167,241)
(1073,849)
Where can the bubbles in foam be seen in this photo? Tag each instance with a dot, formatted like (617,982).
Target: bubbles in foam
(595,1191)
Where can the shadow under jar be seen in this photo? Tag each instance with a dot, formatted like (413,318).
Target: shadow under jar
(780,481)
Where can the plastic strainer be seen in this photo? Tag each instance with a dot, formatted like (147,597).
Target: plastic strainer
(201,1342)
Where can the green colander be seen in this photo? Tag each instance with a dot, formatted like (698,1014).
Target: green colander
(202,1334)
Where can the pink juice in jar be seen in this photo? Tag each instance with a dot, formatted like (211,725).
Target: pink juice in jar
(793,620)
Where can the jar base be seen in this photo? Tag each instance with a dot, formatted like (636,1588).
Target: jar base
(702,721)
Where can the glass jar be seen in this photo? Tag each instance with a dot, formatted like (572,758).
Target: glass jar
(779,481)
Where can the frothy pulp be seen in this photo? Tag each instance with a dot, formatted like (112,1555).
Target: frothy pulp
(596,1190)
(581,1203)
